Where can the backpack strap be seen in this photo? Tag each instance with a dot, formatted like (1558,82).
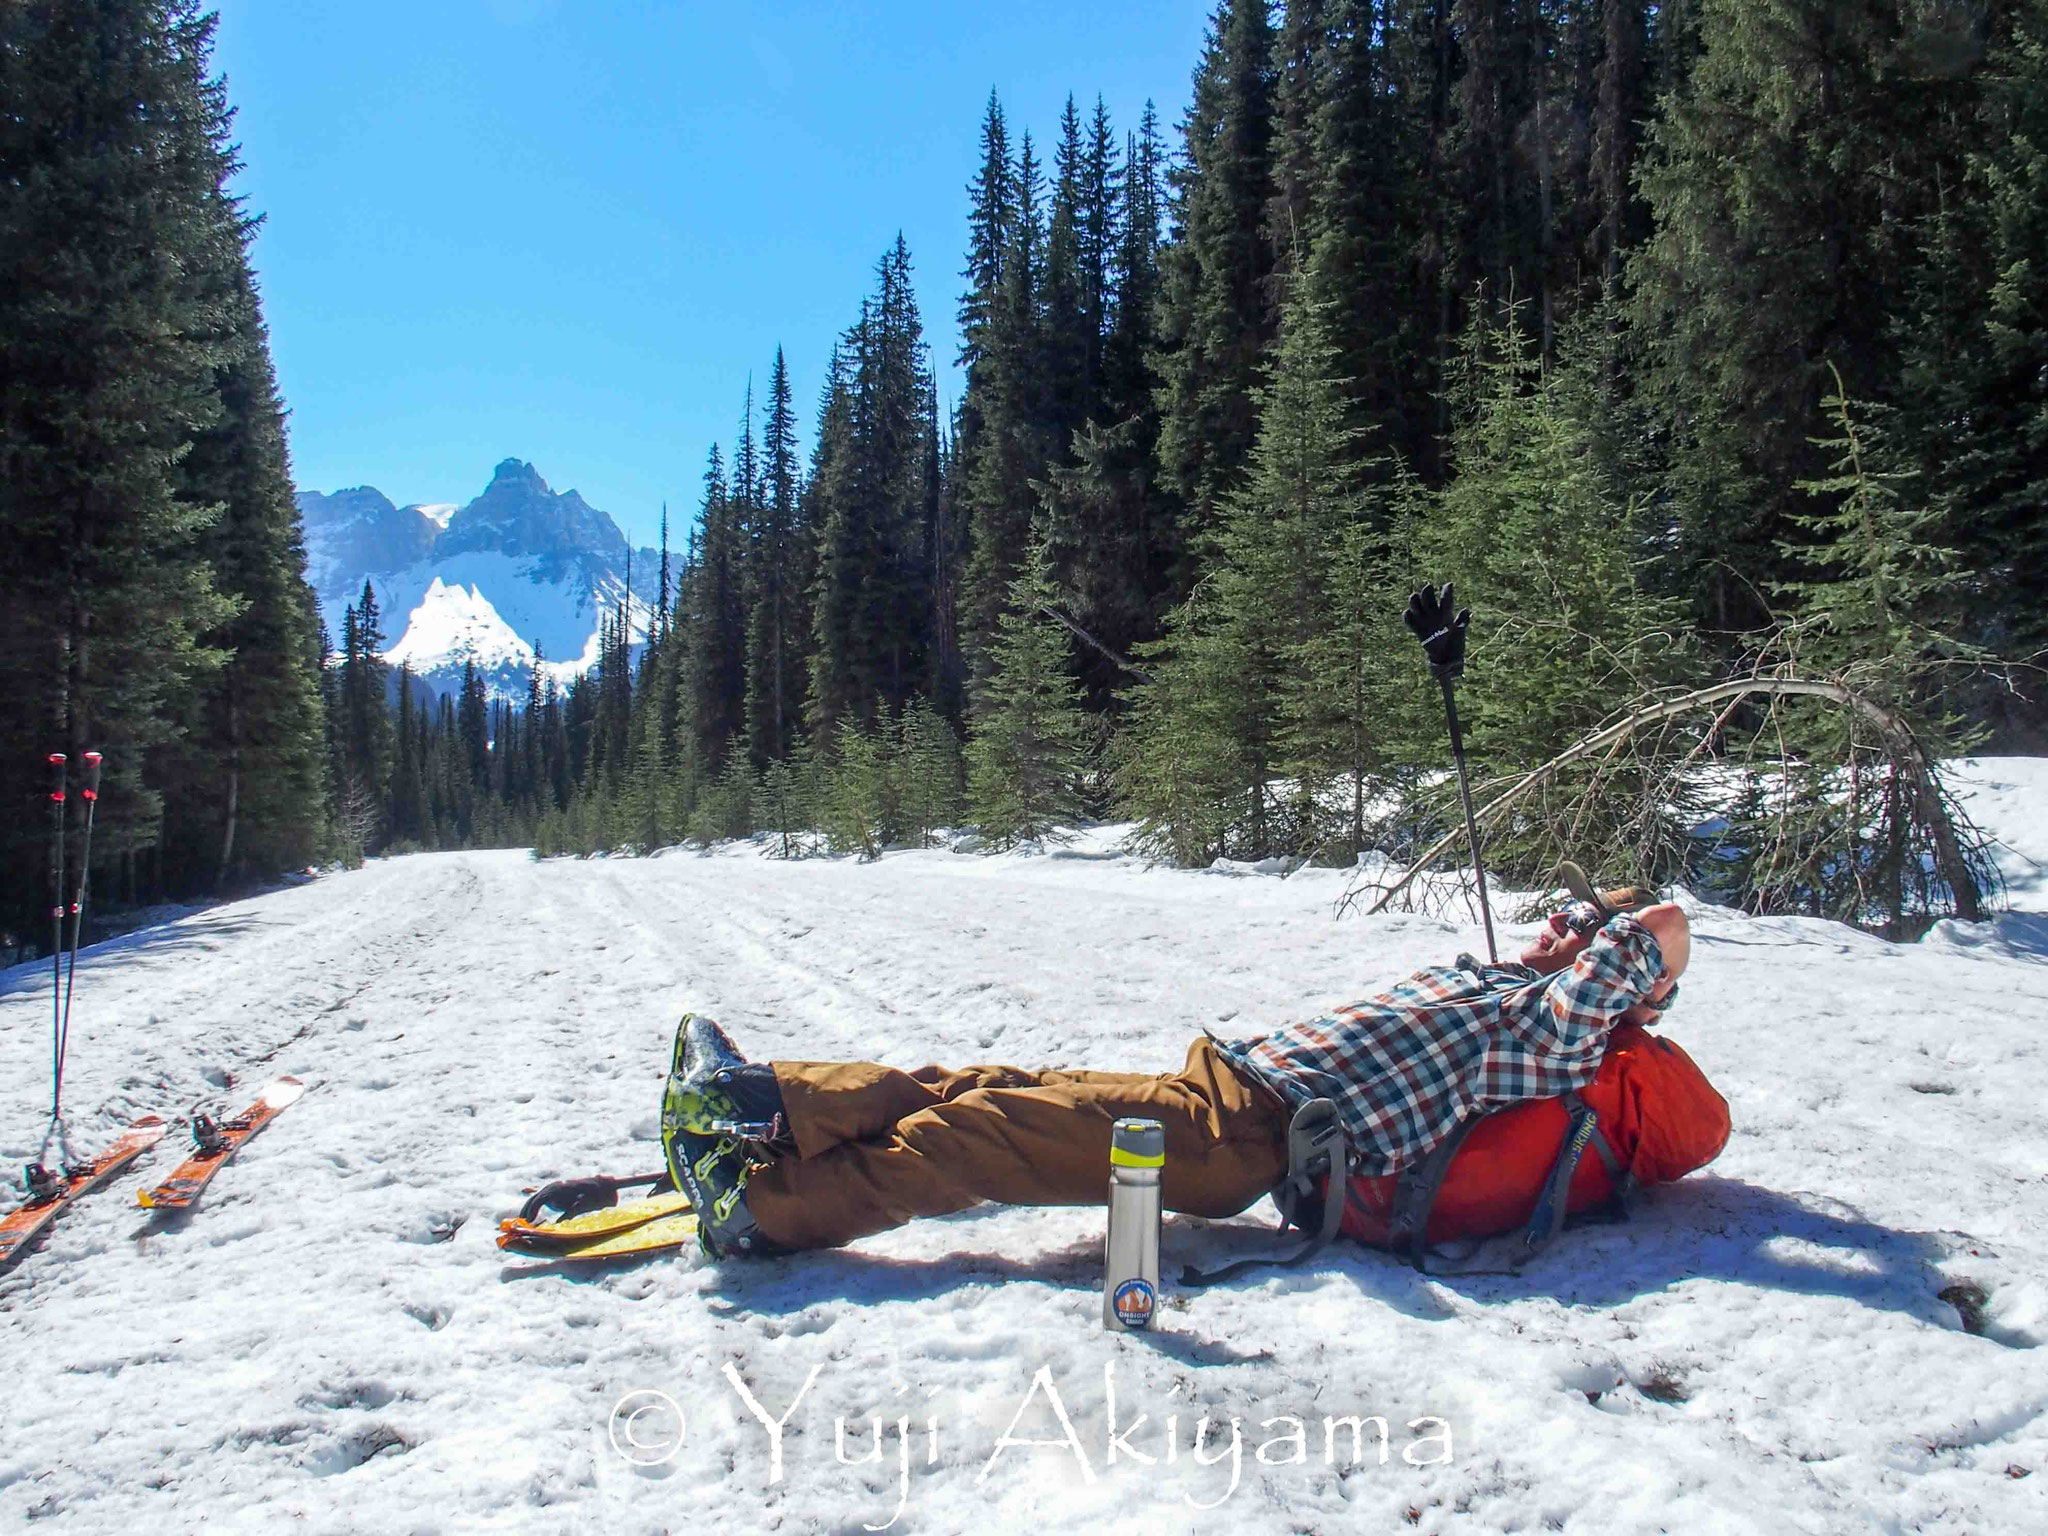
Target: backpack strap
(1415,1192)
(1547,1220)
(1415,1195)
(1315,1151)
(1621,1177)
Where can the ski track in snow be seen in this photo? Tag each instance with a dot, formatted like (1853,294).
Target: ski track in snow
(332,1338)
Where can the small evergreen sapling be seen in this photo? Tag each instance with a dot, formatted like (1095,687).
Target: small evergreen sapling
(1029,747)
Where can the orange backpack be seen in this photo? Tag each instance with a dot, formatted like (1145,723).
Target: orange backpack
(1650,1116)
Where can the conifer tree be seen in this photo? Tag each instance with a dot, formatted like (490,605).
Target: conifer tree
(1548,551)
(1974,397)
(410,821)
(113,327)
(362,734)
(716,627)
(872,595)
(928,769)
(1069,342)
(1247,659)
(1099,220)
(991,221)
(244,785)
(472,716)
(781,806)
(853,797)
(1004,456)
(1874,572)
(828,491)
(1369,210)
(1116,549)
(1029,745)
(1303,66)
(1787,179)
(775,632)
(1178,770)
(1837,828)
(1216,308)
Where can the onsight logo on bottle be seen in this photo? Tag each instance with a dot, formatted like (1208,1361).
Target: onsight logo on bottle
(1134,1302)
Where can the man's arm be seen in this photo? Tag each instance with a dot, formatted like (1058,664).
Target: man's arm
(1570,1013)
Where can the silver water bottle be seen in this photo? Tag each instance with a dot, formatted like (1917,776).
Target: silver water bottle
(1130,1280)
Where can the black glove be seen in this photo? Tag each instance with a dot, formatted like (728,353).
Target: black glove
(571,1197)
(1442,635)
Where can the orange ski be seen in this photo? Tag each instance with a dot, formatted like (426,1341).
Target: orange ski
(20,1226)
(217,1142)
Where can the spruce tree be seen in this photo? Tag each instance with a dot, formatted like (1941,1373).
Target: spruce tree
(715,633)
(853,792)
(1006,440)
(1874,574)
(1099,219)
(1974,397)
(774,634)
(362,733)
(872,596)
(1117,551)
(1245,665)
(244,785)
(1788,178)
(1369,212)
(1552,556)
(1029,746)
(1216,306)
(781,806)
(1178,771)
(113,329)
(991,220)
(928,767)
(1069,341)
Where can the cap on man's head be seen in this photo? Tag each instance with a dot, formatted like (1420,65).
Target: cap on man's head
(1624,898)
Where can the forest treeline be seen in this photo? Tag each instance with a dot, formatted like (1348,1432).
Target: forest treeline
(152,574)
(1692,340)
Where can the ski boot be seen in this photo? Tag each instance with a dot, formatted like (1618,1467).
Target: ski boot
(712,1114)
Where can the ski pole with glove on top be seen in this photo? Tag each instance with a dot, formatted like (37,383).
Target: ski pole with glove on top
(1440,625)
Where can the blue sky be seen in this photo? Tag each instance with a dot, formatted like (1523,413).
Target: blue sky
(569,231)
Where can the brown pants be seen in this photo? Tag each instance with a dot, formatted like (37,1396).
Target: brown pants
(876,1146)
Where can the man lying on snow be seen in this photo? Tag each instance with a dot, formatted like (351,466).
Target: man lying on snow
(796,1154)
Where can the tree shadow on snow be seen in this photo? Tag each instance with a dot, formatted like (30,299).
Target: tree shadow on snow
(111,956)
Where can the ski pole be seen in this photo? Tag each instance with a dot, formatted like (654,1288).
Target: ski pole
(1471,822)
(1440,625)
(89,792)
(57,786)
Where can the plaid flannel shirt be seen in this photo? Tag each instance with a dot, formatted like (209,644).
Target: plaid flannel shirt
(1406,1066)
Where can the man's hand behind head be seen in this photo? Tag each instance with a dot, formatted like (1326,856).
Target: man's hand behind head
(1668,926)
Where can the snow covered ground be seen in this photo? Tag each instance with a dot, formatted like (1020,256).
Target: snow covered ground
(331,1342)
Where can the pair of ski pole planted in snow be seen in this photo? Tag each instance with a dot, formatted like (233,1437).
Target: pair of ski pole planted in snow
(61,976)
(51,1189)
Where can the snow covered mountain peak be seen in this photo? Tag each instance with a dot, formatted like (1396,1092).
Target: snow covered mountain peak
(459,623)
(521,569)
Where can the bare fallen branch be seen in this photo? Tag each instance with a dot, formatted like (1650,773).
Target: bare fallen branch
(1950,863)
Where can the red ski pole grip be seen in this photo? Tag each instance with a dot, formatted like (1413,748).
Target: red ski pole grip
(57,761)
(92,776)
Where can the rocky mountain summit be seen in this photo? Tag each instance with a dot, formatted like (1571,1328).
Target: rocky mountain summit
(519,567)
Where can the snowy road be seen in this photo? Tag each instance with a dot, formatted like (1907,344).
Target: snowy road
(332,1339)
